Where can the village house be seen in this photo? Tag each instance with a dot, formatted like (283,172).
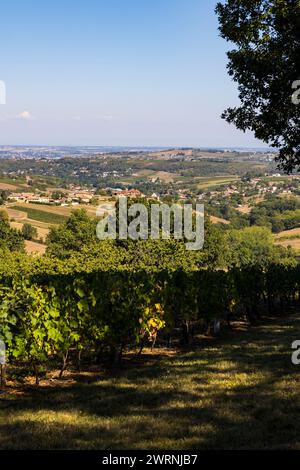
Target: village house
(20,197)
(133,193)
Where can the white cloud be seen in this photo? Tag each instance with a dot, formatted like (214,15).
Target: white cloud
(26,115)
(104,117)
(108,117)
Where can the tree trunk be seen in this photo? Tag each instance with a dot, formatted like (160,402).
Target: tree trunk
(185,333)
(2,376)
(79,354)
(64,365)
(36,373)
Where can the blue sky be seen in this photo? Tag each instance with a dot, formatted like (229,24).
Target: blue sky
(115,72)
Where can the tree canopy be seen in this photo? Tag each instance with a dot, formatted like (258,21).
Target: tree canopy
(78,231)
(266,65)
(10,238)
(29,232)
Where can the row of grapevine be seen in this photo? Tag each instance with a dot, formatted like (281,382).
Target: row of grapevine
(102,313)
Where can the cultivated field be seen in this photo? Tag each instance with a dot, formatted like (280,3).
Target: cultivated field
(57,210)
(294,232)
(244,209)
(37,212)
(42,217)
(289,238)
(218,220)
(42,232)
(205,183)
(12,184)
(152,175)
(7,186)
(34,248)
(293,243)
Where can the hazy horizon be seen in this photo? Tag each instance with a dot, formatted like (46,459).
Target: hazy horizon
(154,147)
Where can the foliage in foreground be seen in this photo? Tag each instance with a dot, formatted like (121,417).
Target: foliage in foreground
(265,64)
(99,298)
(103,313)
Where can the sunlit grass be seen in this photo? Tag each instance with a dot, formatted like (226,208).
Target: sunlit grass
(240,392)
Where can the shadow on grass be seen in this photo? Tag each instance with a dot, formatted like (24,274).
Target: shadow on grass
(239,392)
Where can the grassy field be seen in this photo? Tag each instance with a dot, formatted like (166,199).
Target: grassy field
(8,186)
(42,232)
(294,232)
(205,183)
(289,238)
(218,220)
(34,248)
(161,175)
(241,391)
(244,209)
(61,210)
(42,217)
(290,242)
(12,184)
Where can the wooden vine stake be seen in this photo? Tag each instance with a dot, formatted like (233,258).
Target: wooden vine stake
(2,364)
